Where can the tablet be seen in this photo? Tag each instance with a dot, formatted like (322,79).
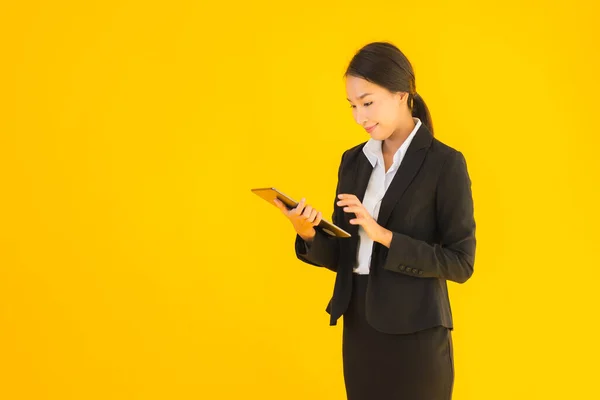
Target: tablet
(270,194)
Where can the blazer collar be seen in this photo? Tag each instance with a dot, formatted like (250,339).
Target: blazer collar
(373,148)
(415,155)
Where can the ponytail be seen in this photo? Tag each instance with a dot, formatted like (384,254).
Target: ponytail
(420,110)
(385,65)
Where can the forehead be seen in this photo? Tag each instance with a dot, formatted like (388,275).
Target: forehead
(356,87)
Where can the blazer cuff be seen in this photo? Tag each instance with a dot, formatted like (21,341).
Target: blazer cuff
(318,253)
(396,259)
(422,260)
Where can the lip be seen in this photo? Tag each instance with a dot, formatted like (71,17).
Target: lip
(371,128)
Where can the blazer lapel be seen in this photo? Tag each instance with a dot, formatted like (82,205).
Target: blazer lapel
(413,159)
(361,175)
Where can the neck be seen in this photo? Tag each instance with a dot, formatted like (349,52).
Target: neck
(393,143)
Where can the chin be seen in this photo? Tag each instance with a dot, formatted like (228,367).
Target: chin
(379,136)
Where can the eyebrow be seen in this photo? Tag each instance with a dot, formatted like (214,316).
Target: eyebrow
(361,96)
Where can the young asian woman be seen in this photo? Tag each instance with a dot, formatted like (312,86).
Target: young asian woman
(406,199)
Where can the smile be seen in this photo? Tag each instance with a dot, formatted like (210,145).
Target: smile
(371,128)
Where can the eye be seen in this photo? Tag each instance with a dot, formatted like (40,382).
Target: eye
(366,104)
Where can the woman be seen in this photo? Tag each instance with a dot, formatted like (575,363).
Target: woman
(406,199)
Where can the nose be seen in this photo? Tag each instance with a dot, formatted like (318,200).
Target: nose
(360,117)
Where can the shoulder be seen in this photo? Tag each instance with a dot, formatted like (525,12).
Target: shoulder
(439,152)
(443,149)
(353,153)
(444,153)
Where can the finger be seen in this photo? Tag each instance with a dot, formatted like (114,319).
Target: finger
(307,212)
(348,202)
(281,206)
(344,196)
(354,209)
(357,221)
(300,207)
(318,218)
(313,215)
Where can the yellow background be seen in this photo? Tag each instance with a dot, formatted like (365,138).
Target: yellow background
(136,264)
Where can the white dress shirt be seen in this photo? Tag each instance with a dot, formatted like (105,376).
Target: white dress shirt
(378,184)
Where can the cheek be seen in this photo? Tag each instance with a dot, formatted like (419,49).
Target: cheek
(384,116)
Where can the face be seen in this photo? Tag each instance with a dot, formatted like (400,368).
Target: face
(375,108)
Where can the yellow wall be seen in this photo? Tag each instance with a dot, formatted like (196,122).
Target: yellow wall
(136,264)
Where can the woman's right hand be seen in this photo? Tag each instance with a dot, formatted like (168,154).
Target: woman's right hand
(303,217)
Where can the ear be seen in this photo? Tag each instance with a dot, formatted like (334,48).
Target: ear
(401,97)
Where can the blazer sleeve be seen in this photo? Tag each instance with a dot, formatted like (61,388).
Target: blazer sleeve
(324,249)
(454,256)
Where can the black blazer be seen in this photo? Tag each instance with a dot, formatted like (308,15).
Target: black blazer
(429,208)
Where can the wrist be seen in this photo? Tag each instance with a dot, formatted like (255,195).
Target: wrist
(308,238)
(385,237)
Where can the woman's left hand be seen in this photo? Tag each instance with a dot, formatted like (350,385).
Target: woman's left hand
(351,204)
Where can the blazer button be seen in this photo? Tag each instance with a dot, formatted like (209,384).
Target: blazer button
(402,267)
(420,272)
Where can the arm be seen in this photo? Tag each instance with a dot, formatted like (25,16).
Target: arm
(453,258)
(323,251)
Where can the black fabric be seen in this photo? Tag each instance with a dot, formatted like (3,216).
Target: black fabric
(428,207)
(382,366)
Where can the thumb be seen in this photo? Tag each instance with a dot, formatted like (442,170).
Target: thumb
(281,206)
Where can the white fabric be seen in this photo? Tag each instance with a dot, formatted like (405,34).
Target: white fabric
(378,184)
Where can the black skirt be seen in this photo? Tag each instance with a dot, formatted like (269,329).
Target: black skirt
(381,366)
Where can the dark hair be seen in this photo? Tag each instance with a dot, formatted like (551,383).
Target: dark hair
(385,65)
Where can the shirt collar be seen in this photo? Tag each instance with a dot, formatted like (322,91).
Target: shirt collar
(372,148)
